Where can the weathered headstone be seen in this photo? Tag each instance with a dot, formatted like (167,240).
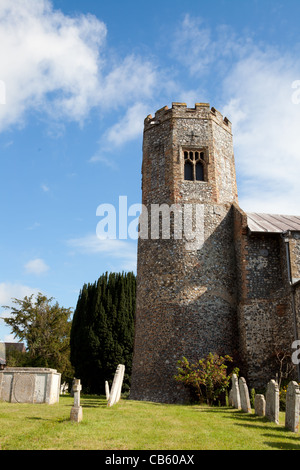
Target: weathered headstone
(116,388)
(76,410)
(121,378)
(64,388)
(2,355)
(107,390)
(272,402)
(244,394)
(235,398)
(292,407)
(260,405)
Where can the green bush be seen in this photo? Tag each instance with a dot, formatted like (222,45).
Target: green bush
(207,380)
(282,398)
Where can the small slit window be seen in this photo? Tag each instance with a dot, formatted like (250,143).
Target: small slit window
(194,165)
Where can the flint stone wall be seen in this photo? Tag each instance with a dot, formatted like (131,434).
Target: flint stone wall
(265,315)
(29,385)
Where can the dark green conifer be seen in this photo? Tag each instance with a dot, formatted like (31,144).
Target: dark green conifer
(103,330)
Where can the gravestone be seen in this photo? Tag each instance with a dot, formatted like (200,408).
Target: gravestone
(272,402)
(235,398)
(64,388)
(244,394)
(76,410)
(260,405)
(292,407)
(2,355)
(107,390)
(29,385)
(116,388)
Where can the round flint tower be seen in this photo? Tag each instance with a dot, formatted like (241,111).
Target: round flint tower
(186,298)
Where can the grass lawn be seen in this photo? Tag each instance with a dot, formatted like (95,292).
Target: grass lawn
(132,425)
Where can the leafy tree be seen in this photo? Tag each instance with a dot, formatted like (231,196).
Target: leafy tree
(45,329)
(208,378)
(103,329)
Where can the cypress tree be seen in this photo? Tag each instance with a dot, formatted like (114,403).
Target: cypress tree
(103,330)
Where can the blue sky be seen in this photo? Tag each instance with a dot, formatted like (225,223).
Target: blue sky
(77,79)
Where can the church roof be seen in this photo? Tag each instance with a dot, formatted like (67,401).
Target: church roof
(5,347)
(17,346)
(273,223)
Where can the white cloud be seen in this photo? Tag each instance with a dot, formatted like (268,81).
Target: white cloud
(129,127)
(255,91)
(200,48)
(18,291)
(125,252)
(266,131)
(36,266)
(192,40)
(129,80)
(9,291)
(104,157)
(45,188)
(44,54)
(56,64)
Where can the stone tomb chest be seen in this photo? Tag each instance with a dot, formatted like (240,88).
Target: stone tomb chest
(29,385)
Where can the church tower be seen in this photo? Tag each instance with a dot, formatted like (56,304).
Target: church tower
(186,276)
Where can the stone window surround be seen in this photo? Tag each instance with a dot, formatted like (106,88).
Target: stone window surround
(204,161)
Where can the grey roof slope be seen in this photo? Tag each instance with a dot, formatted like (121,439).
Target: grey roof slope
(272,223)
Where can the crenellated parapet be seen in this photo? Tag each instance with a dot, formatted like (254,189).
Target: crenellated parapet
(180,110)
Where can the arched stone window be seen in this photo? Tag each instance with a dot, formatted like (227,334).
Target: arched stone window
(199,171)
(194,165)
(188,171)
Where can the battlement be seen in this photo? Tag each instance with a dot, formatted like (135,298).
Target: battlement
(180,110)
